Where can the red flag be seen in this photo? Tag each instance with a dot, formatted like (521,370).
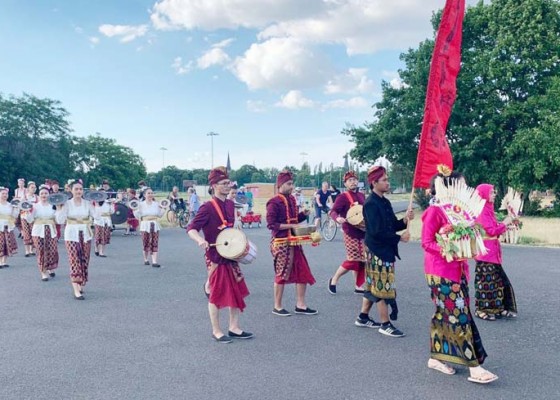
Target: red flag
(440,94)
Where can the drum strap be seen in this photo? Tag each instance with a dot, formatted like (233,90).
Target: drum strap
(289,219)
(349,196)
(218,209)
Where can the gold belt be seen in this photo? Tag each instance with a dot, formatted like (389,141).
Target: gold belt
(44,221)
(491,238)
(106,215)
(150,218)
(8,217)
(76,221)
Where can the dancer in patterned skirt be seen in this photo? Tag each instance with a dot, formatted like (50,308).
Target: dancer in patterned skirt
(493,291)
(226,281)
(353,236)
(454,336)
(77,214)
(20,193)
(8,214)
(27,227)
(103,224)
(149,212)
(44,234)
(290,264)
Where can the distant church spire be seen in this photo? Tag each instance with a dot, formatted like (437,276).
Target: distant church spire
(346,166)
(228,164)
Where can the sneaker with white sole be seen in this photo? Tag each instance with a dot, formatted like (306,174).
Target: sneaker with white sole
(390,330)
(367,323)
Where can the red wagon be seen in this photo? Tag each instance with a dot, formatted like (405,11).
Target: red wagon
(250,219)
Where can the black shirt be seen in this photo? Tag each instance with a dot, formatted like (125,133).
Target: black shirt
(381,228)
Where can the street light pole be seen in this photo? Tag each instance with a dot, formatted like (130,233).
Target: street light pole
(212,134)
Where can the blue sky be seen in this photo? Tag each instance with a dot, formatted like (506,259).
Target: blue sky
(275,78)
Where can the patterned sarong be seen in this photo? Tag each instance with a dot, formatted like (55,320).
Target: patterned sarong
(102,234)
(290,264)
(150,240)
(493,290)
(8,243)
(380,278)
(454,336)
(355,258)
(26,229)
(47,251)
(78,257)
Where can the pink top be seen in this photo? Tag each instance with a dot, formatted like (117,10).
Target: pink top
(492,227)
(433,220)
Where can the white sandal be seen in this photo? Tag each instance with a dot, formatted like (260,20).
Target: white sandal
(441,367)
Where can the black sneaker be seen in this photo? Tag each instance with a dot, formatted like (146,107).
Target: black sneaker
(52,274)
(359,291)
(390,330)
(222,339)
(242,335)
(367,323)
(281,313)
(332,288)
(306,311)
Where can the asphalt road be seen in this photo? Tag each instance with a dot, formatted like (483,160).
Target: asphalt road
(144,333)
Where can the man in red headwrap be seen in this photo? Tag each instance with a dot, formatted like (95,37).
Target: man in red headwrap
(353,234)
(290,264)
(226,281)
(382,248)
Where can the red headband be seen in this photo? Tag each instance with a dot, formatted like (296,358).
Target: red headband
(375,173)
(217,174)
(350,174)
(283,177)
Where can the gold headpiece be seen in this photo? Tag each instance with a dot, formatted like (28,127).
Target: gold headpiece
(444,170)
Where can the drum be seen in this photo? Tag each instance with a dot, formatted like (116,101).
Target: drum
(234,245)
(120,215)
(355,217)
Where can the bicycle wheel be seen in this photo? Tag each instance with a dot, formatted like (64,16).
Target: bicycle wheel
(170,215)
(328,229)
(183,219)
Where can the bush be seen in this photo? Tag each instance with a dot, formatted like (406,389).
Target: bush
(532,208)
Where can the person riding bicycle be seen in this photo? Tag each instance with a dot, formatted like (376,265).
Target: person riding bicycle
(323,201)
(177,203)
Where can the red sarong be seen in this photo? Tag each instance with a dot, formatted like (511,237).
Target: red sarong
(47,251)
(290,265)
(227,285)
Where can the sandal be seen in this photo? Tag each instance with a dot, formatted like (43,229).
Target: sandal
(507,314)
(486,317)
(483,377)
(441,367)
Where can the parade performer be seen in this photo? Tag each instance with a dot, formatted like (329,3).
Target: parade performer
(8,214)
(132,222)
(149,212)
(26,226)
(494,296)
(55,188)
(290,264)
(353,235)
(226,282)
(382,249)
(44,236)
(76,213)
(102,221)
(454,336)
(20,193)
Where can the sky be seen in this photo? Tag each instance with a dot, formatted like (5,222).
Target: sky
(277,80)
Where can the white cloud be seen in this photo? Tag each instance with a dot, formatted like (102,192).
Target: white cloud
(294,99)
(224,43)
(127,33)
(214,56)
(352,82)
(78,29)
(180,67)
(229,14)
(280,63)
(94,40)
(256,106)
(354,102)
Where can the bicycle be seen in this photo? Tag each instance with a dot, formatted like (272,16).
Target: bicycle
(178,216)
(328,226)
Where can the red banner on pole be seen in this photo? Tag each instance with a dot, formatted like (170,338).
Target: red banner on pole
(440,94)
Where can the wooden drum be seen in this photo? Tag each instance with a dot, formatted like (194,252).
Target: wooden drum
(234,245)
(355,216)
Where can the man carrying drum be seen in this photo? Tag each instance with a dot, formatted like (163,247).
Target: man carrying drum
(354,235)
(290,264)
(226,281)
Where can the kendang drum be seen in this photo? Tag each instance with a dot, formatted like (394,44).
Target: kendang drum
(234,245)
(355,216)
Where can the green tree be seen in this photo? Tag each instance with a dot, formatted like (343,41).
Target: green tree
(510,56)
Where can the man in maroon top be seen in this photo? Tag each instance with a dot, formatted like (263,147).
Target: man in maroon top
(353,236)
(227,285)
(290,264)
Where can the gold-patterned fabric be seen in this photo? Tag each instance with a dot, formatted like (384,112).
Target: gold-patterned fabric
(26,228)
(355,249)
(380,277)
(47,251)
(454,336)
(8,243)
(150,240)
(102,234)
(78,256)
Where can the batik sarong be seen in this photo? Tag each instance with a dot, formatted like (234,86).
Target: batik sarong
(26,228)
(47,251)
(454,336)
(493,291)
(102,234)
(78,257)
(290,264)
(8,243)
(150,240)
(355,257)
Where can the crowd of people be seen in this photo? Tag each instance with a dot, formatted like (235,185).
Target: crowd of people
(371,246)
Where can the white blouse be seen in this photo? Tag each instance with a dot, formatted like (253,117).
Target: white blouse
(147,214)
(41,212)
(70,211)
(7,211)
(20,193)
(102,214)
